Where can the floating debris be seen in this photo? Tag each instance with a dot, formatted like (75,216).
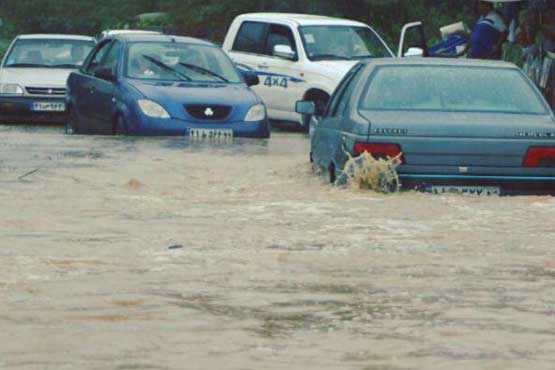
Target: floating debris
(177,246)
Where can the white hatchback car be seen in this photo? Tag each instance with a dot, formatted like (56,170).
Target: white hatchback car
(34,73)
(299,57)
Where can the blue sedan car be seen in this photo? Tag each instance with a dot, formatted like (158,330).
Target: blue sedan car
(456,125)
(138,84)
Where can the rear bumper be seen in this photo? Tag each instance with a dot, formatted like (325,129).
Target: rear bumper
(508,184)
(19,110)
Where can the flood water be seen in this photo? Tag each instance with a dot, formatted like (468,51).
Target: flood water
(271,268)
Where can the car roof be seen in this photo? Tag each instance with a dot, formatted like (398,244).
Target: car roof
(301,19)
(117,32)
(417,61)
(52,36)
(145,37)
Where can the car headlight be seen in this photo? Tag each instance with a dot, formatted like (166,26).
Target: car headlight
(152,109)
(256,113)
(11,89)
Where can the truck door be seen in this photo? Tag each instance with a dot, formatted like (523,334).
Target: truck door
(413,41)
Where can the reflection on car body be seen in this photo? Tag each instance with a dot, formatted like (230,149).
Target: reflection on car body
(466,123)
(34,73)
(139,84)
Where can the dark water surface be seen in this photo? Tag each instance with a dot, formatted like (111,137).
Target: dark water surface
(276,269)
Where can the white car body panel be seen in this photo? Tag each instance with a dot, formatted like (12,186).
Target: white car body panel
(301,75)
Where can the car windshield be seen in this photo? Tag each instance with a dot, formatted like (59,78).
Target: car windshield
(180,62)
(46,53)
(452,89)
(342,42)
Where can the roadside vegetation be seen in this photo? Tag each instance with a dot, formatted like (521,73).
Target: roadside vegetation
(209,19)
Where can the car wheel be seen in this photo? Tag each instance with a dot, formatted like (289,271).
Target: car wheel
(71,123)
(120,127)
(331,172)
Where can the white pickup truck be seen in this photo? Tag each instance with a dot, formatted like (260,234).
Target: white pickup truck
(299,57)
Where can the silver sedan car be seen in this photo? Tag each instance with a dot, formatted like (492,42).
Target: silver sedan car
(458,125)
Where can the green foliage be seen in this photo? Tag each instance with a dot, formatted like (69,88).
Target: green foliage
(210,18)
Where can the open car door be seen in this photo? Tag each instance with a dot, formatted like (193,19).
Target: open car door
(413,41)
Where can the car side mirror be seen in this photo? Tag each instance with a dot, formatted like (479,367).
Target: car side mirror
(414,52)
(251,79)
(305,107)
(285,52)
(105,74)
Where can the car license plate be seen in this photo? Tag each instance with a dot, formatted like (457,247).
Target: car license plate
(471,190)
(210,134)
(48,107)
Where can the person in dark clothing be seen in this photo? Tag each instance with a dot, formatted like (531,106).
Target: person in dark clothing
(489,33)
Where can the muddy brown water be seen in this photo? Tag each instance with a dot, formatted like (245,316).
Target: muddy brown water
(276,270)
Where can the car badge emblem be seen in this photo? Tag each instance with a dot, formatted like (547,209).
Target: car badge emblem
(50,91)
(209,112)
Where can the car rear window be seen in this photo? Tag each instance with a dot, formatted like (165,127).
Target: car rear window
(452,89)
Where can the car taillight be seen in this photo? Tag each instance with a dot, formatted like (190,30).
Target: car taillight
(540,156)
(378,150)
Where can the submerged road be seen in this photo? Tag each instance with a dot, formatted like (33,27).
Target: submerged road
(123,253)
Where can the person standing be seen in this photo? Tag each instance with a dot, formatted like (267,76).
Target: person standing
(489,33)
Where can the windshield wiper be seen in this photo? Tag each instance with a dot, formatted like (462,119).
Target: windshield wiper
(27,65)
(330,56)
(203,71)
(155,61)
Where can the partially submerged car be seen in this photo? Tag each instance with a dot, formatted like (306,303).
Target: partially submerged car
(33,76)
(140,84)
(458,125)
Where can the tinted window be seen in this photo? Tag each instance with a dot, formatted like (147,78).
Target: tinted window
(251,37)
(342,42)
(339,91)
(279,35)
(97,58)
(346,99)
(180,62)
(38,53)
(452,89)
(110,61)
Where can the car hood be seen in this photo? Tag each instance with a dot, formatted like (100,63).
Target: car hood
(338,68)
(51,77)
(195,93)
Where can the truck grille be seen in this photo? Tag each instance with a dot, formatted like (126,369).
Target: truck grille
(54,91)
(208,112)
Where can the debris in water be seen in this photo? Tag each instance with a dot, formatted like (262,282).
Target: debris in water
(367,172)
(134,184)
(177,246)
(28,174)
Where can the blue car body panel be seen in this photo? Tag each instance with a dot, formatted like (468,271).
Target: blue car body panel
(98,103)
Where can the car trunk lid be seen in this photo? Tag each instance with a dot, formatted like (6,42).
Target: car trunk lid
(461,139)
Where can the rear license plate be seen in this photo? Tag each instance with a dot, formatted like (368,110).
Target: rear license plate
(210,134)
(48,107)
(471,190)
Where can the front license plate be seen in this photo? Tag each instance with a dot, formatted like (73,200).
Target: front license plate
(471,190)
(210,134)
(48,107)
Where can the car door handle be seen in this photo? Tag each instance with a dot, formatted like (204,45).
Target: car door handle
(263,66)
